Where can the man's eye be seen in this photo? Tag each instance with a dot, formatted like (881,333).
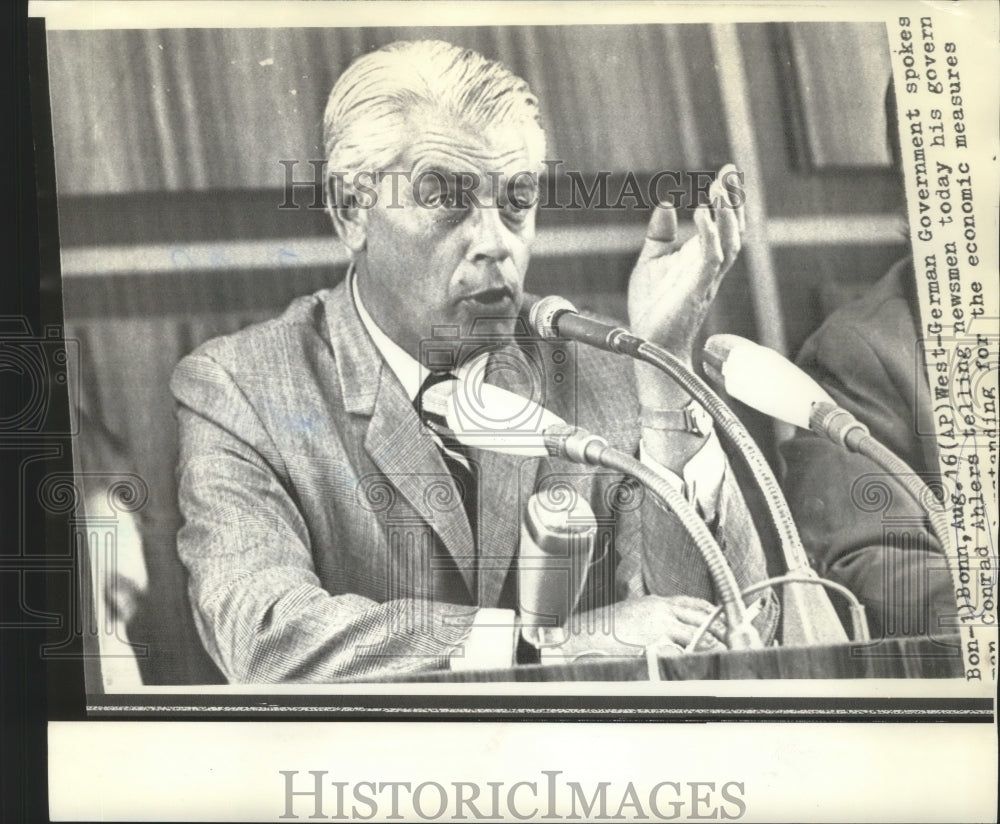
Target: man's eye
(443,199)
(522,200)
(516,209)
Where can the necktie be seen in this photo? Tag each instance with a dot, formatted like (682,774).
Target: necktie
(457,457)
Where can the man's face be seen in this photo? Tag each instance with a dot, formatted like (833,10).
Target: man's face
(445,243)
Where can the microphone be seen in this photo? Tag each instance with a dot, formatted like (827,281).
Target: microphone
(556,317)
(484,416)
(810,617)
(477,416)
(762,379)
(557,541)
(770,383)
(488,417)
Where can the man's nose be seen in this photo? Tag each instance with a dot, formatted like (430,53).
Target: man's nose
(490,241)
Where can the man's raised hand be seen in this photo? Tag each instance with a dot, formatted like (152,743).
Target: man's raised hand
(672,286)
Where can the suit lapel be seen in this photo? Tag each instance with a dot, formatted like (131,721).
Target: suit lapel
(406,453)
(408,456)
(395,439)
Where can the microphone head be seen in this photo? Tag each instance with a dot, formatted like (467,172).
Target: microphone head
(762,379)
(715,354)
(557,541)
(544,313)
(555,514)
(484,416)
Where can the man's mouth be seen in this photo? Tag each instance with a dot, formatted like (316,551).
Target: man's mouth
(491,297)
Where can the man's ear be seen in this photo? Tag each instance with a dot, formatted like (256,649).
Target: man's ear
(349,221)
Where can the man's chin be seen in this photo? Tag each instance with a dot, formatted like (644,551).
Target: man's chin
(484,336)
(492,327)
(495,321)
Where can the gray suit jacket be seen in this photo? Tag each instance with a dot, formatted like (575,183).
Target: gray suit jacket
(322,531)
(860,526)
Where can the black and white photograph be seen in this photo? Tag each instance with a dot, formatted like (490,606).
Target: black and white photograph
(296,264)
(614,367)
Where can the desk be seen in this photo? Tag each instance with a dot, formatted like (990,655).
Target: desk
(923,657)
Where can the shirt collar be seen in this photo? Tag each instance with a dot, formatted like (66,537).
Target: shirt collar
(410,372)
(403,365)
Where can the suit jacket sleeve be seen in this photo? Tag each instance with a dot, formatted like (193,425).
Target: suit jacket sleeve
(859,525)
(672,564)
(258,603)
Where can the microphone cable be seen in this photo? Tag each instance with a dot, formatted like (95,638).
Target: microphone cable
(839,425)
(858,621)
(546,315)
(796,559)
(583,447)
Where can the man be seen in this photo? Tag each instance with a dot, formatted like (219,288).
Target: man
(863,529)
(321,528)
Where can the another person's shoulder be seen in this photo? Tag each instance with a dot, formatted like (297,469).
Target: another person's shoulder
(866,356)
(881,323)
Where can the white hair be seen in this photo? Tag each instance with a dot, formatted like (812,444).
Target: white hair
(364,126)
